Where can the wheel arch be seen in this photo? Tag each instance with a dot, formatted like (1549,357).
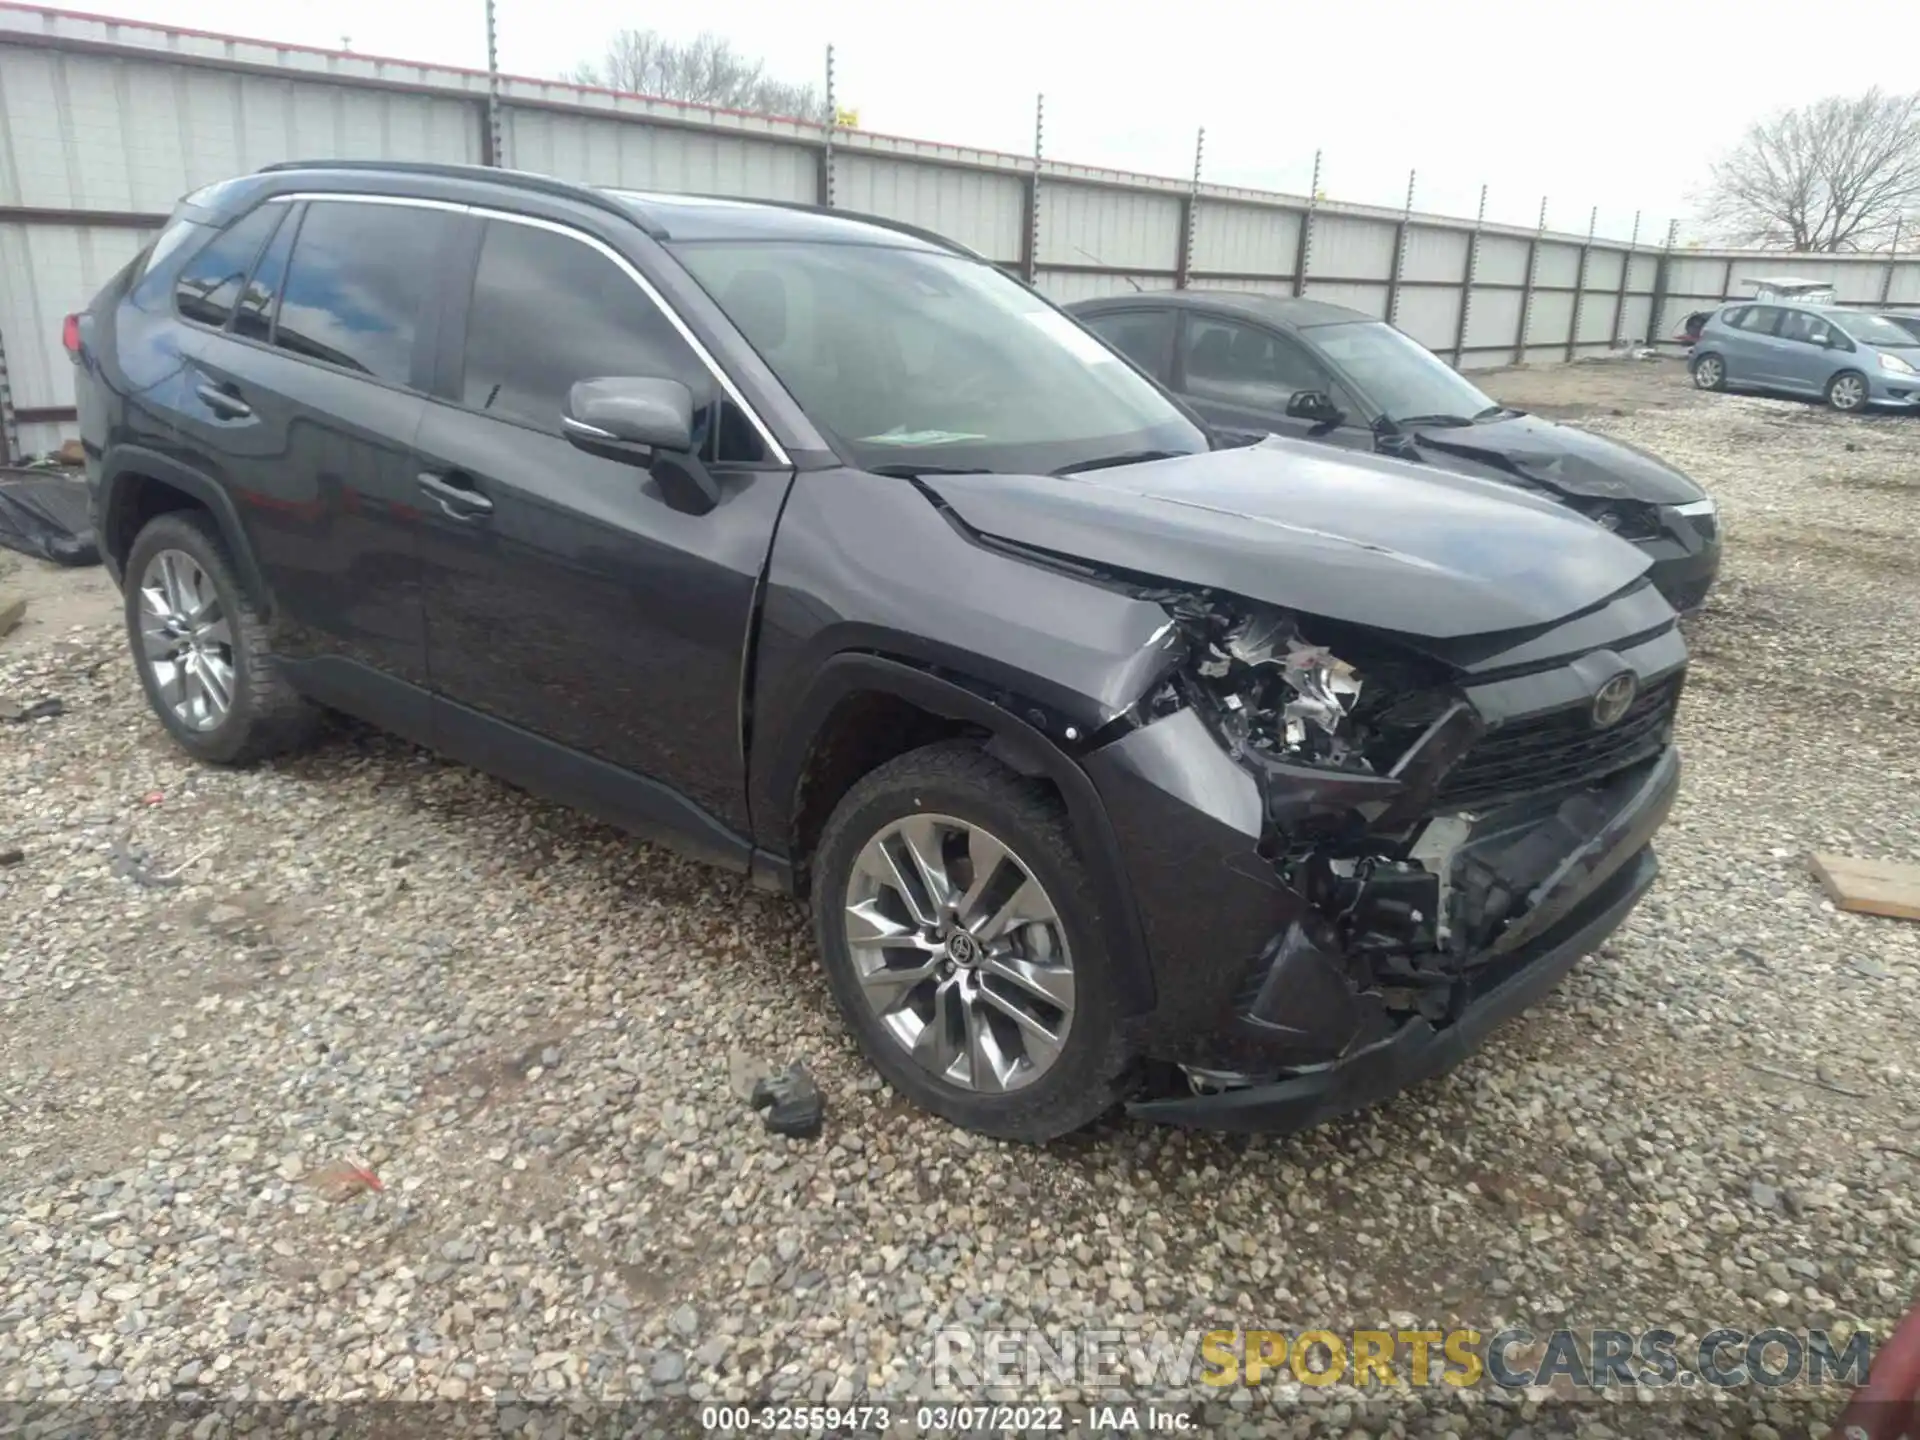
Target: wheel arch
(137,483)
(830,742)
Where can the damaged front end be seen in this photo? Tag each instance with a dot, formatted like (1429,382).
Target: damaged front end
(1369,847)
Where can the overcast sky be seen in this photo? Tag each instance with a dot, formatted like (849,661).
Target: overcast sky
(1619,105)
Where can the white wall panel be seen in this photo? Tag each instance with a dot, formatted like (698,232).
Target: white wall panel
(1082,225)
(1503,261)
(47,272)
(1351,247)
(1435,254)
(1245,239)
(1494,318)
(649,157)
(1431,316)
(979,210)
(1367,297)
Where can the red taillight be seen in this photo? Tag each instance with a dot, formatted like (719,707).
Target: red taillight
(70,335)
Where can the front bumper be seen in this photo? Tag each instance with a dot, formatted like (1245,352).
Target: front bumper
(1418,1050)
(1304,1001)
(1893,392)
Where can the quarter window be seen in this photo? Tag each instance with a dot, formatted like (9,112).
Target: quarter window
(549,311)
(210,283)
(253,317)
(358,284)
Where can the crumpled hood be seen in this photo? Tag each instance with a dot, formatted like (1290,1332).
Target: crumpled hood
(1360,538)
(1562,459)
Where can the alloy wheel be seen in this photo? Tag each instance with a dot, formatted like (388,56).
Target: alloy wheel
(960,952)
(1707,373)
(1847,392)
(186,640)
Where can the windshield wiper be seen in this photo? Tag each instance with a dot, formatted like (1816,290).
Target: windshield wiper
(1444,420)
(1494,412)
(914,472)
(1131,457)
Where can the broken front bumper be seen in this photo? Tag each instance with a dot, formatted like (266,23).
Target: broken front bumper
(1304,1029)
(1418,1049)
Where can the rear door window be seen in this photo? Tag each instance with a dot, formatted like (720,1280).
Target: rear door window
(1143,336)
(1761,319)
(209,284)
(356,289)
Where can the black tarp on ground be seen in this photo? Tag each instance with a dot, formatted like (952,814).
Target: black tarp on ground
(45,513)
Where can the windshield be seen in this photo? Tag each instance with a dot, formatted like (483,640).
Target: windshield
(920,359)
(1872,329)
(1404,378)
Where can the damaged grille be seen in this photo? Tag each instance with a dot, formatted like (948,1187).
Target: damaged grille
(1529,756)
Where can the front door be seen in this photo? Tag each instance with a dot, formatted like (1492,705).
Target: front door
(309,394)
(1239,376)
(582,632)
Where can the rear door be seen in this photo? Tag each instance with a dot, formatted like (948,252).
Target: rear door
(1239,376)
(308,394)
(583,634)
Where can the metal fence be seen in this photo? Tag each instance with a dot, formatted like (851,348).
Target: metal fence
(106,123)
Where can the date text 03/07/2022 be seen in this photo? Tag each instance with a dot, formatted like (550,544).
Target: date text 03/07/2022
(947,1419)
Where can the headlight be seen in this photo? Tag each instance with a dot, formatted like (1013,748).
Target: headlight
(1267,688)
(1895,365)
(1695,507)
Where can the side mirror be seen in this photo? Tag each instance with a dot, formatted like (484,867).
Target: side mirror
(647,423)
(1314,405)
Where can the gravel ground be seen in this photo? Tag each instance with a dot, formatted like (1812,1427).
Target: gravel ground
(215,986)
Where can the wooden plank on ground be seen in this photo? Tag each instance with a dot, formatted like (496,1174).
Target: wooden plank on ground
(12,609)
(1873,887)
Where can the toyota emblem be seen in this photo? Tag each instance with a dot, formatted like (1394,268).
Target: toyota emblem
(1613,700)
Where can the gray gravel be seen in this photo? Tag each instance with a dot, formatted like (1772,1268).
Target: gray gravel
(218,987)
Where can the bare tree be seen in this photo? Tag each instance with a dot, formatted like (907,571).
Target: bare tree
(1835,175)
(706,70)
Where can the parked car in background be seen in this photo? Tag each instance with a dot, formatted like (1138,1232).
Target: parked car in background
(1244,785)
(1251,364)
(1908,323)
(1852,359)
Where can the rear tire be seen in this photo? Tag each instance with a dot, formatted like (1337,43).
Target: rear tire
(992,835)
(202,648)
(1709,372)
(1847,392)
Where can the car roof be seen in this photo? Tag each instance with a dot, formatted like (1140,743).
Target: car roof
(1288,311)
(666,217)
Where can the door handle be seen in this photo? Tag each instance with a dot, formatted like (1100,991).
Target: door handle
(456,494)
(223,401)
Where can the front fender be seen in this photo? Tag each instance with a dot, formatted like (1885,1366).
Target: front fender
(1022,746)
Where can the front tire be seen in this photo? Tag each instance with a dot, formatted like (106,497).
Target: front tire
(961,941)
(1847,392)
(1709,372)
(202,648)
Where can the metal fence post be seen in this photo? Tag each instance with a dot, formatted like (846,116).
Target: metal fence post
(1466,281)
(1303,250)
(825,186)
(1526,288)
(494,150)
(1662,282)
(1580,285)
(1189,218)
(10,452)
(1893,255)
(1030,243)
(1400,253)
(1626,275)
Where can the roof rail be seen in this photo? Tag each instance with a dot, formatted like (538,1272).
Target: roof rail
(521,179)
